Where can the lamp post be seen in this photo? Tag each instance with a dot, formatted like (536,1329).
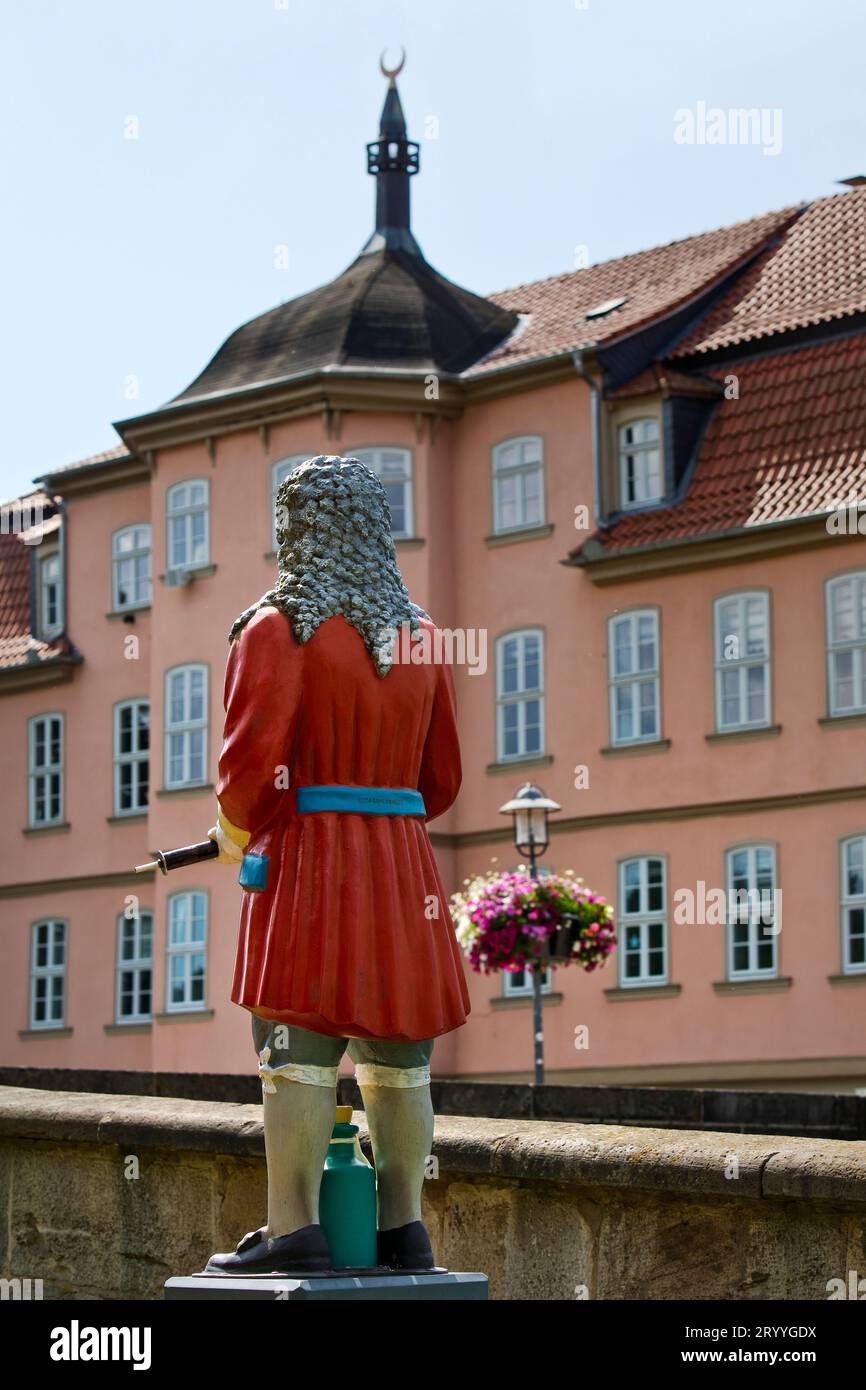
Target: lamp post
(529,809)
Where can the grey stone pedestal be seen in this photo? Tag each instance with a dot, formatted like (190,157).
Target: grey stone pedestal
(273,1288)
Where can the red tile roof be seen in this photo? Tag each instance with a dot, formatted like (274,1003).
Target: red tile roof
(18,646)
(816,274)
(654,283)
(118,451)
(791,446)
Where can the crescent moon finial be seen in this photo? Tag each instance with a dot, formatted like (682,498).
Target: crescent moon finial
(392,73)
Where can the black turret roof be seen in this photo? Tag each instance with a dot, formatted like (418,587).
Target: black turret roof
(389,309)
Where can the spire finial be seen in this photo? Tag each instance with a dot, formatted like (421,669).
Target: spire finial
(392,73)
(393,159)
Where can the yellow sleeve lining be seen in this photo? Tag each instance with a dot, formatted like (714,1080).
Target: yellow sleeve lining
(239,837)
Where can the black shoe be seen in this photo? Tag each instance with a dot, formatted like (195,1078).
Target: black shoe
(405,1247)
(301,1253)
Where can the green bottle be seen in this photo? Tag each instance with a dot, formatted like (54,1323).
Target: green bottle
(347,1198)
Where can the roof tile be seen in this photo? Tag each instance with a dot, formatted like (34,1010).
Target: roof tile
(654,283)
(792,445)
(816,274)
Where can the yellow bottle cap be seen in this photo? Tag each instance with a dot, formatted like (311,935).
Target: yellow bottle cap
(344,1115)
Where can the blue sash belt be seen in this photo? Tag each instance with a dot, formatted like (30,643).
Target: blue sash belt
(366,801)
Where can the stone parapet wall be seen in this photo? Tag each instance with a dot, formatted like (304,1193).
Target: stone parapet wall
(106,1196)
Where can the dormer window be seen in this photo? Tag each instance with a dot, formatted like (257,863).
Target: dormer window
(50,595)
(641,478)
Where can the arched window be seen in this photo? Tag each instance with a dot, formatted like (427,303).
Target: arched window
(188,524)
(853,896)
(186,952)
(134,993)
(394,467)
(50,616)
(48,974)
(45,759)
(751,916)
(642,915)
(130,567)
(742,642)
(131,756)
(640,463)
(520,695)
(846,643)
(185,726)
(518,484)
(634,676)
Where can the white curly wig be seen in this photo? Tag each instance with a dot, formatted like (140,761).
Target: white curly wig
(336,555)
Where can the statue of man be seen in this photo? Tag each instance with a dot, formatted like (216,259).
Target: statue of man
(334,757)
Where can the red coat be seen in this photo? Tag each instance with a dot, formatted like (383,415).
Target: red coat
(343,940)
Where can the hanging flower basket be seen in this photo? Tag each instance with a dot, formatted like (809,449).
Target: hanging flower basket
(512,922)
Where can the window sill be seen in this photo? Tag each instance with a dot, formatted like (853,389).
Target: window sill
(769,986)
(623,992)
(112,1029)
(56,829)
(136,817)
(184,1016)
(525,533)
(853,977)
(744,735)
(522,1001)
(127,615)
(193,571)
(509,764)
(194,789)
(60,1032)
(647,504)
(842,721)
(652,745)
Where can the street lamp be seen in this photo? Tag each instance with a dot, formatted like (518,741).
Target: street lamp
(530,809)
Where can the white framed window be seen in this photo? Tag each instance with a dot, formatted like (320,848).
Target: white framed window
(48,974)
(640,463)
(394,468)
(186,952)
(853,900)
(134,986)
(45,779)
(520,695)
(517,984)
(279,472)
(751,928)
(634,676)
(130,567)
(185,726)
(50,595)
(131,756)
(846,643)
(643,920)
(188,524)
(742,643)
(518,484)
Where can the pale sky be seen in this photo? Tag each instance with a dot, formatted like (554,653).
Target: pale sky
(545,127)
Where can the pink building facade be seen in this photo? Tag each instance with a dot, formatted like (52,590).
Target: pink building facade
(631,494)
